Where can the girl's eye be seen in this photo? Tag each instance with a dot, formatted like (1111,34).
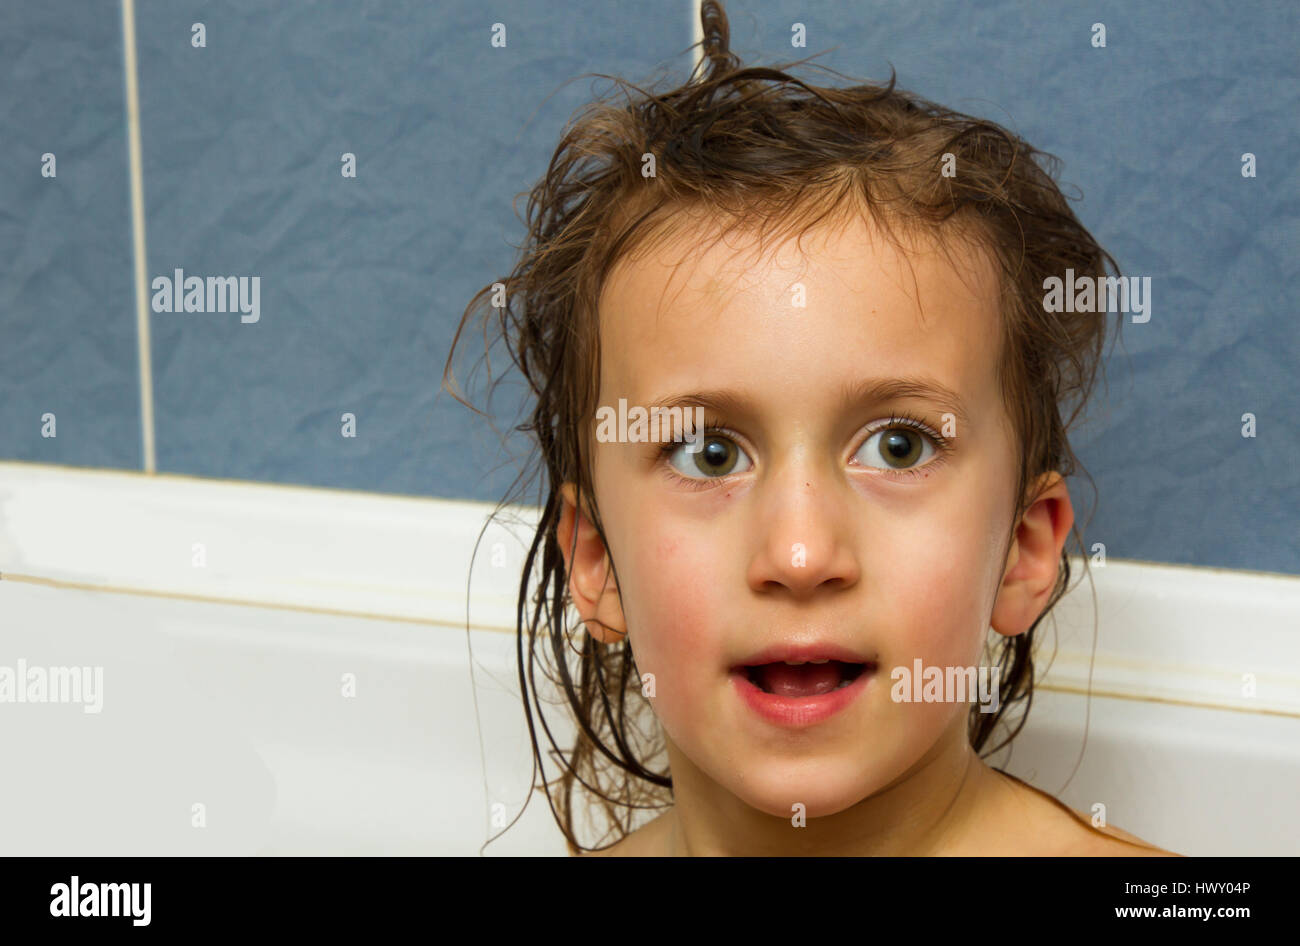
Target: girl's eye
(902,447)
(717,457)
(899,448)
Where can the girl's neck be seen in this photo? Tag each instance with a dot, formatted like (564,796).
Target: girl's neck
(949,802)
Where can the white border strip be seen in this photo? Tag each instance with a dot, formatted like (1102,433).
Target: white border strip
(1163,632)
(143,347)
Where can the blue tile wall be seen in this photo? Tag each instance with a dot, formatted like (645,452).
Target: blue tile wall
(363,280)
(69,378)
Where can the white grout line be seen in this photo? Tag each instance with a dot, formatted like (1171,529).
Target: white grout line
(138,241)
(697,30)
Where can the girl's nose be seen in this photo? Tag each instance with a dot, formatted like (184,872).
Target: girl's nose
(804,538)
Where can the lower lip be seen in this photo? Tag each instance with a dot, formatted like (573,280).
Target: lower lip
(798,711)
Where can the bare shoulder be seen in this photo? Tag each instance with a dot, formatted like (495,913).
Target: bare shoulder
(629,846)
(1065,832)
(645,841)
(1115,842)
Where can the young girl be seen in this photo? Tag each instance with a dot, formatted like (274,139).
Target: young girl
(774,611)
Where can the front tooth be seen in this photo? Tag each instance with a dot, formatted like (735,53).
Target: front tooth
(825,660)
(798,663)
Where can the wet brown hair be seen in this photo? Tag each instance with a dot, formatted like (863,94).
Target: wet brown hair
(760,149)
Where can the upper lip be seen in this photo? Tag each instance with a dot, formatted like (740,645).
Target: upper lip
(803,653)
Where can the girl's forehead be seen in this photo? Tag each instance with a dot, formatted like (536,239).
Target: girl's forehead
(797,325)
(849,281)
(706,266)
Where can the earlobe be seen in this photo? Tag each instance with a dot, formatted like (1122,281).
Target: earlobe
(1034,557)
(590,579)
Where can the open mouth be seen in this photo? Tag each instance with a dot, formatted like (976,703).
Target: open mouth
(808,679)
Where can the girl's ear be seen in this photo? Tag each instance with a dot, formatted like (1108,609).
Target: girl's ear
(589,576)
(1034,558)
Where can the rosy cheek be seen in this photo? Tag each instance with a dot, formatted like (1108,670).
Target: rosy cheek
(666,549)
(677,626)
(934,596)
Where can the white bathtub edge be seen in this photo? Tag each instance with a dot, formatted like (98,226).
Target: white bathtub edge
(1203,636)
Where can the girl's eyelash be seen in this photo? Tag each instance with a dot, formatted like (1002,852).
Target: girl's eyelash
(942,446)
(900,419)
(710,428)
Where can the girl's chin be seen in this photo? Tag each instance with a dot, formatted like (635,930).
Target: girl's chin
(814,793)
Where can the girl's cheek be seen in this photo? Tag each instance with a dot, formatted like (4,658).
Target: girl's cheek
(922,599)
(936,594)
(679,628)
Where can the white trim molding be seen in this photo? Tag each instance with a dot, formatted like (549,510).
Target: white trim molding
(1166,633)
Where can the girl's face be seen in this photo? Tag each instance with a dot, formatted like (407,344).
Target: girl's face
(799,530)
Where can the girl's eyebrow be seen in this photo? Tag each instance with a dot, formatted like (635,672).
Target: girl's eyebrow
(854,394)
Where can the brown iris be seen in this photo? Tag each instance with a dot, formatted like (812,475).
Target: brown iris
(900,447)
(716,456)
